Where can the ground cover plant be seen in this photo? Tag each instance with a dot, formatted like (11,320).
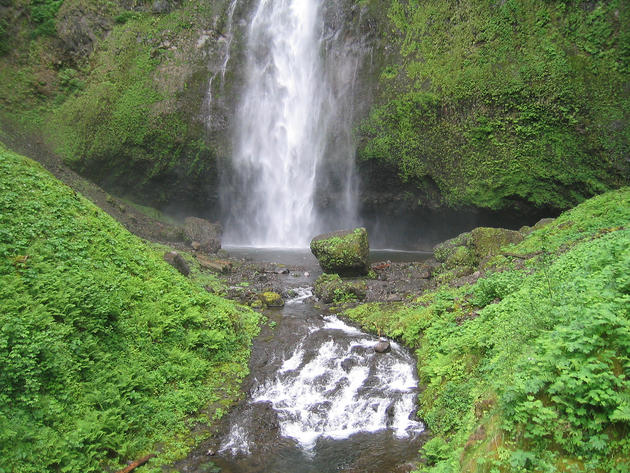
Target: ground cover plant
(528,369)
(106,352)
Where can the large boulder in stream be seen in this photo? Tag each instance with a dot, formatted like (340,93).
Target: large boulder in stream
(344,252)
(207,234)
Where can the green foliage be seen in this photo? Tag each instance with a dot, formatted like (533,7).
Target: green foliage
(503,102)
(105,350)
(495,286)
(125,16)
(70,81)
(574,380)
(436,450)
(330,288)
(4,36)
(42,13)
(529,369)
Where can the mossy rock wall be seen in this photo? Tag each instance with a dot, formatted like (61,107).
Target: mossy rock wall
(121,91)
(517,105)
(512,104)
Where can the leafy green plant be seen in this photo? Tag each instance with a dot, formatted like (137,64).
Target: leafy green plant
(4,36)
(516,380)
(105,350)
(43,13)
(496,286)
(436,450)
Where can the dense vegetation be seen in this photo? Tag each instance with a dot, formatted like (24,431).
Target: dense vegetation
(494,104)
(106,352)
(117,89)
(513,103)
(528,369)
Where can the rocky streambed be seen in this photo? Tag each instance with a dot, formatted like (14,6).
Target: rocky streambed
(319,397)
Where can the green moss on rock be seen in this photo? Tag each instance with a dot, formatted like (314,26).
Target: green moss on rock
(464,253)
(271,299)
(445,250)
(330,288)
(345,252)
(510,104)
(487,242)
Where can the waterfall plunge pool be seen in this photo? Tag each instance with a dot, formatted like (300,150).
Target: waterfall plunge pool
(303,257)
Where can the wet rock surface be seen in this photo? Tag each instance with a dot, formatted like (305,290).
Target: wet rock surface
(203,234)
(177,261)
(345,252)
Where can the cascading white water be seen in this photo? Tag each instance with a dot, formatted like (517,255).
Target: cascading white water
(333,386)
(282,126)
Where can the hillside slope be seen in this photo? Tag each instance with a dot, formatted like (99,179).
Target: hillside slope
(527,369)
(106,352)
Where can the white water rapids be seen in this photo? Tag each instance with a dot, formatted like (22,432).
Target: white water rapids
(333,385)
(284,124)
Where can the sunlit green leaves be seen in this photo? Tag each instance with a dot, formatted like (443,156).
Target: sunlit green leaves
(104,349)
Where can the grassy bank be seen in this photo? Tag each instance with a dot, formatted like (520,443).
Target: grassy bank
(528,369)
(106,352)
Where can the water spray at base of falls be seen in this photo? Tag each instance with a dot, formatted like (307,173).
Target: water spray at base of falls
(283,128)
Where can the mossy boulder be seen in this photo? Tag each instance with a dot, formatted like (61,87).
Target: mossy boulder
(487,242)
(330,288)
(464,253)
(543,222)
(456,251)
(271,299)
(345,252)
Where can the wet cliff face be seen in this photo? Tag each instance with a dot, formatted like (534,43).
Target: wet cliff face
(502,105)
(141,96)
(120,90)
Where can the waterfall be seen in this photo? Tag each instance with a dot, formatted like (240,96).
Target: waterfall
(284,127)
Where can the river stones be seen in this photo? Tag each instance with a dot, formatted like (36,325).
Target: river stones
(344,252)
(383,346)
(177,261)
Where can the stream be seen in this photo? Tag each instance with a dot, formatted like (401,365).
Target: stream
(319,398)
